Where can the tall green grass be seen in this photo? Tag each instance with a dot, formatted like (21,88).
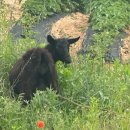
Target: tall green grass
(94,96)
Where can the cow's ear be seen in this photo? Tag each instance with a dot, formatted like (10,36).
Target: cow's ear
(50,39)
(71,41)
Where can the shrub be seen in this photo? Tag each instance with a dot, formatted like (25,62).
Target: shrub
(41,9)
(108,18)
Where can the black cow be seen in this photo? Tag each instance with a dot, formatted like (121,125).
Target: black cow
(36,69)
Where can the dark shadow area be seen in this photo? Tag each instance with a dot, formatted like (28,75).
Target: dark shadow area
(113,51)
(39,29)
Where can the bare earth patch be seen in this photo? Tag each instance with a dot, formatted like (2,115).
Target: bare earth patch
(72,26)
(125,50)
(14,9)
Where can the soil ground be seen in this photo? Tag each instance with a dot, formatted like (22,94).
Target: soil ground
(125,50)
(14,9)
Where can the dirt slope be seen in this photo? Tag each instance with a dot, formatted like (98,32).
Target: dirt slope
(71,26)
(125,50)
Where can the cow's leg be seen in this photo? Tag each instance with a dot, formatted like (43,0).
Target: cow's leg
(54,78)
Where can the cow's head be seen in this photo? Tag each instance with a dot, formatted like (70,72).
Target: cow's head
(61,48)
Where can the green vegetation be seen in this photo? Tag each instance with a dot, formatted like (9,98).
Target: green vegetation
(41,9)
(94,95)
(109,18)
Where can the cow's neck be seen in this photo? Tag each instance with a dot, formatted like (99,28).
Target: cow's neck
(52,52)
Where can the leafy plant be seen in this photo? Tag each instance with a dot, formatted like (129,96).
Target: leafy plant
(41,9)
(108,18)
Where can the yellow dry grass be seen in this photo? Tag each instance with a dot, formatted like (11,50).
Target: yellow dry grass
(125,50)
